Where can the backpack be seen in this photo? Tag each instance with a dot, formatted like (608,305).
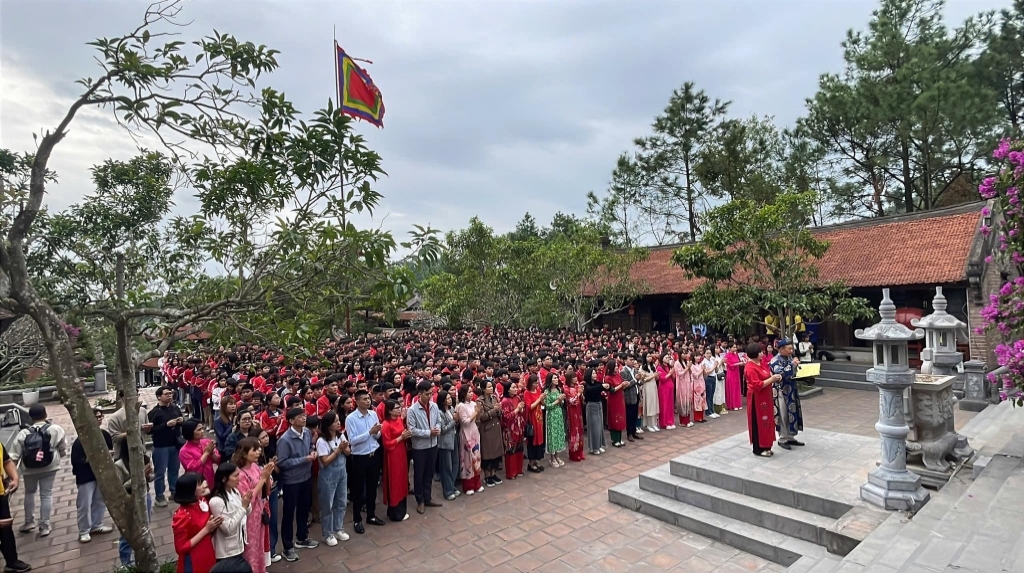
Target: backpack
(36,452)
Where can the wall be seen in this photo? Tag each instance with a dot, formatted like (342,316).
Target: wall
(982,345)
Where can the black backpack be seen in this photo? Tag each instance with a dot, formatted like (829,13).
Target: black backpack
(36,453)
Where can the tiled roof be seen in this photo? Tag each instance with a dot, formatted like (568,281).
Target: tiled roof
(893,251)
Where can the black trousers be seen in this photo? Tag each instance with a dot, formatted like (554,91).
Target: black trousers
(363,477)
(423,464)
(631,414)
(298,499)
(8,546)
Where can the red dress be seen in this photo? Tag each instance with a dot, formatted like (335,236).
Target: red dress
(396,468)
(535,416)
(760,406)
(616,403)
(574,410)
(188,520)
(513,426)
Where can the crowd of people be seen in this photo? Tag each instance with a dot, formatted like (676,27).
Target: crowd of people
(254,448)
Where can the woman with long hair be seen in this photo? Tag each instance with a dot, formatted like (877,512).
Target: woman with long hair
(760,403)
(469,446)
(396,462)
(488,422)
(513,421)
(666,393)
(533,397)
(651,407)
(447,455)
(593,394)
(697,384)
(616,402)
(232,507)
(245,427)
(554,421)
(331,449)
(225,422)
(684,389)
(574,413)
(193,526)
(255,482)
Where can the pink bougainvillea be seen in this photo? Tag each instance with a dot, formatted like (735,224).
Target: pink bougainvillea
(1004,314)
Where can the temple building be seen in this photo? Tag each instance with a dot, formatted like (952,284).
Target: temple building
(908,254)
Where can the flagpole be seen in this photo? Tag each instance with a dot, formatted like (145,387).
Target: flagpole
(341,174)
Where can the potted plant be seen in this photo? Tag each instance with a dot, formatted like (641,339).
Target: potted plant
(30,396)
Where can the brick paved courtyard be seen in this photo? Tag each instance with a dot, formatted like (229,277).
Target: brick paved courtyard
(559,520)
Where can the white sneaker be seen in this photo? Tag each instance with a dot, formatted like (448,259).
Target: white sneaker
(715,416)
(330,541)
(639,431)
(340,535)
(84,538)
(480,490)
(471,492)
(458,493)
(672,427)
(602,450)
(690,425)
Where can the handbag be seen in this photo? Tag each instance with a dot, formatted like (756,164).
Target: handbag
(719,397)
(529,430)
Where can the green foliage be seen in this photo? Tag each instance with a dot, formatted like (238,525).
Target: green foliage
(759,259)
(908,116)
(559,275)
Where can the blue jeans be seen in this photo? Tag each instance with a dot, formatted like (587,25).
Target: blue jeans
(165,461)
(709,394)
(449,461)
(275,508)
(124,551)
(333,488)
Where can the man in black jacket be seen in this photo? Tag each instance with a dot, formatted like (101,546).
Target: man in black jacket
(166,419)
(90,504)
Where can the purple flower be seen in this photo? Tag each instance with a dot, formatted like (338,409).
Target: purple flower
(1002,150)
(985,230)
(988,259)
(986,212)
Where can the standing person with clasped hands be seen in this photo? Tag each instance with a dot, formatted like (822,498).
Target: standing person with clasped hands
(363,429)
(424,422)
(760,404)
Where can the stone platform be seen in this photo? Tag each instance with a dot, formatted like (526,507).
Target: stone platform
(797,508)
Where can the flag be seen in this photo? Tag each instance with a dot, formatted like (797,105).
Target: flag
(357,95)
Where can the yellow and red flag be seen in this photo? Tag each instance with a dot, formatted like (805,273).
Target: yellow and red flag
(357,95)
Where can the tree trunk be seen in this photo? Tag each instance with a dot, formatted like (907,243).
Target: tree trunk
(691,216)
(908,185)
(141,538)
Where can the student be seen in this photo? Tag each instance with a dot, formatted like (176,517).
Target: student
(39,448)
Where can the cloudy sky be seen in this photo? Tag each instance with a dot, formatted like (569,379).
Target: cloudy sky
(494,108)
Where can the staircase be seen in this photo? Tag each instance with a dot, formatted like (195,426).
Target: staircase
(750,512)
(844,374)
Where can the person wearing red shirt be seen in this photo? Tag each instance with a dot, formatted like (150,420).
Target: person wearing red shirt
(323,403)
(193,526)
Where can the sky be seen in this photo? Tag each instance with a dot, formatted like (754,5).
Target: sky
(494,108)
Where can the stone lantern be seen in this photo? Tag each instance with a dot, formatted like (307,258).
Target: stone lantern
(891,485)
(941,329)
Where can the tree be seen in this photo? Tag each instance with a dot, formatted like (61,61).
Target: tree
(486,278)
(670,155)
(620,211)
(907,118)
(757,259)
(743,159)
(589,280)
(21,348)
(1001,65)
(190,97)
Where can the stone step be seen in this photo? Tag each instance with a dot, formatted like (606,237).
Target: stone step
(807,502)
(817,529)
(827,382)
(753,539)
